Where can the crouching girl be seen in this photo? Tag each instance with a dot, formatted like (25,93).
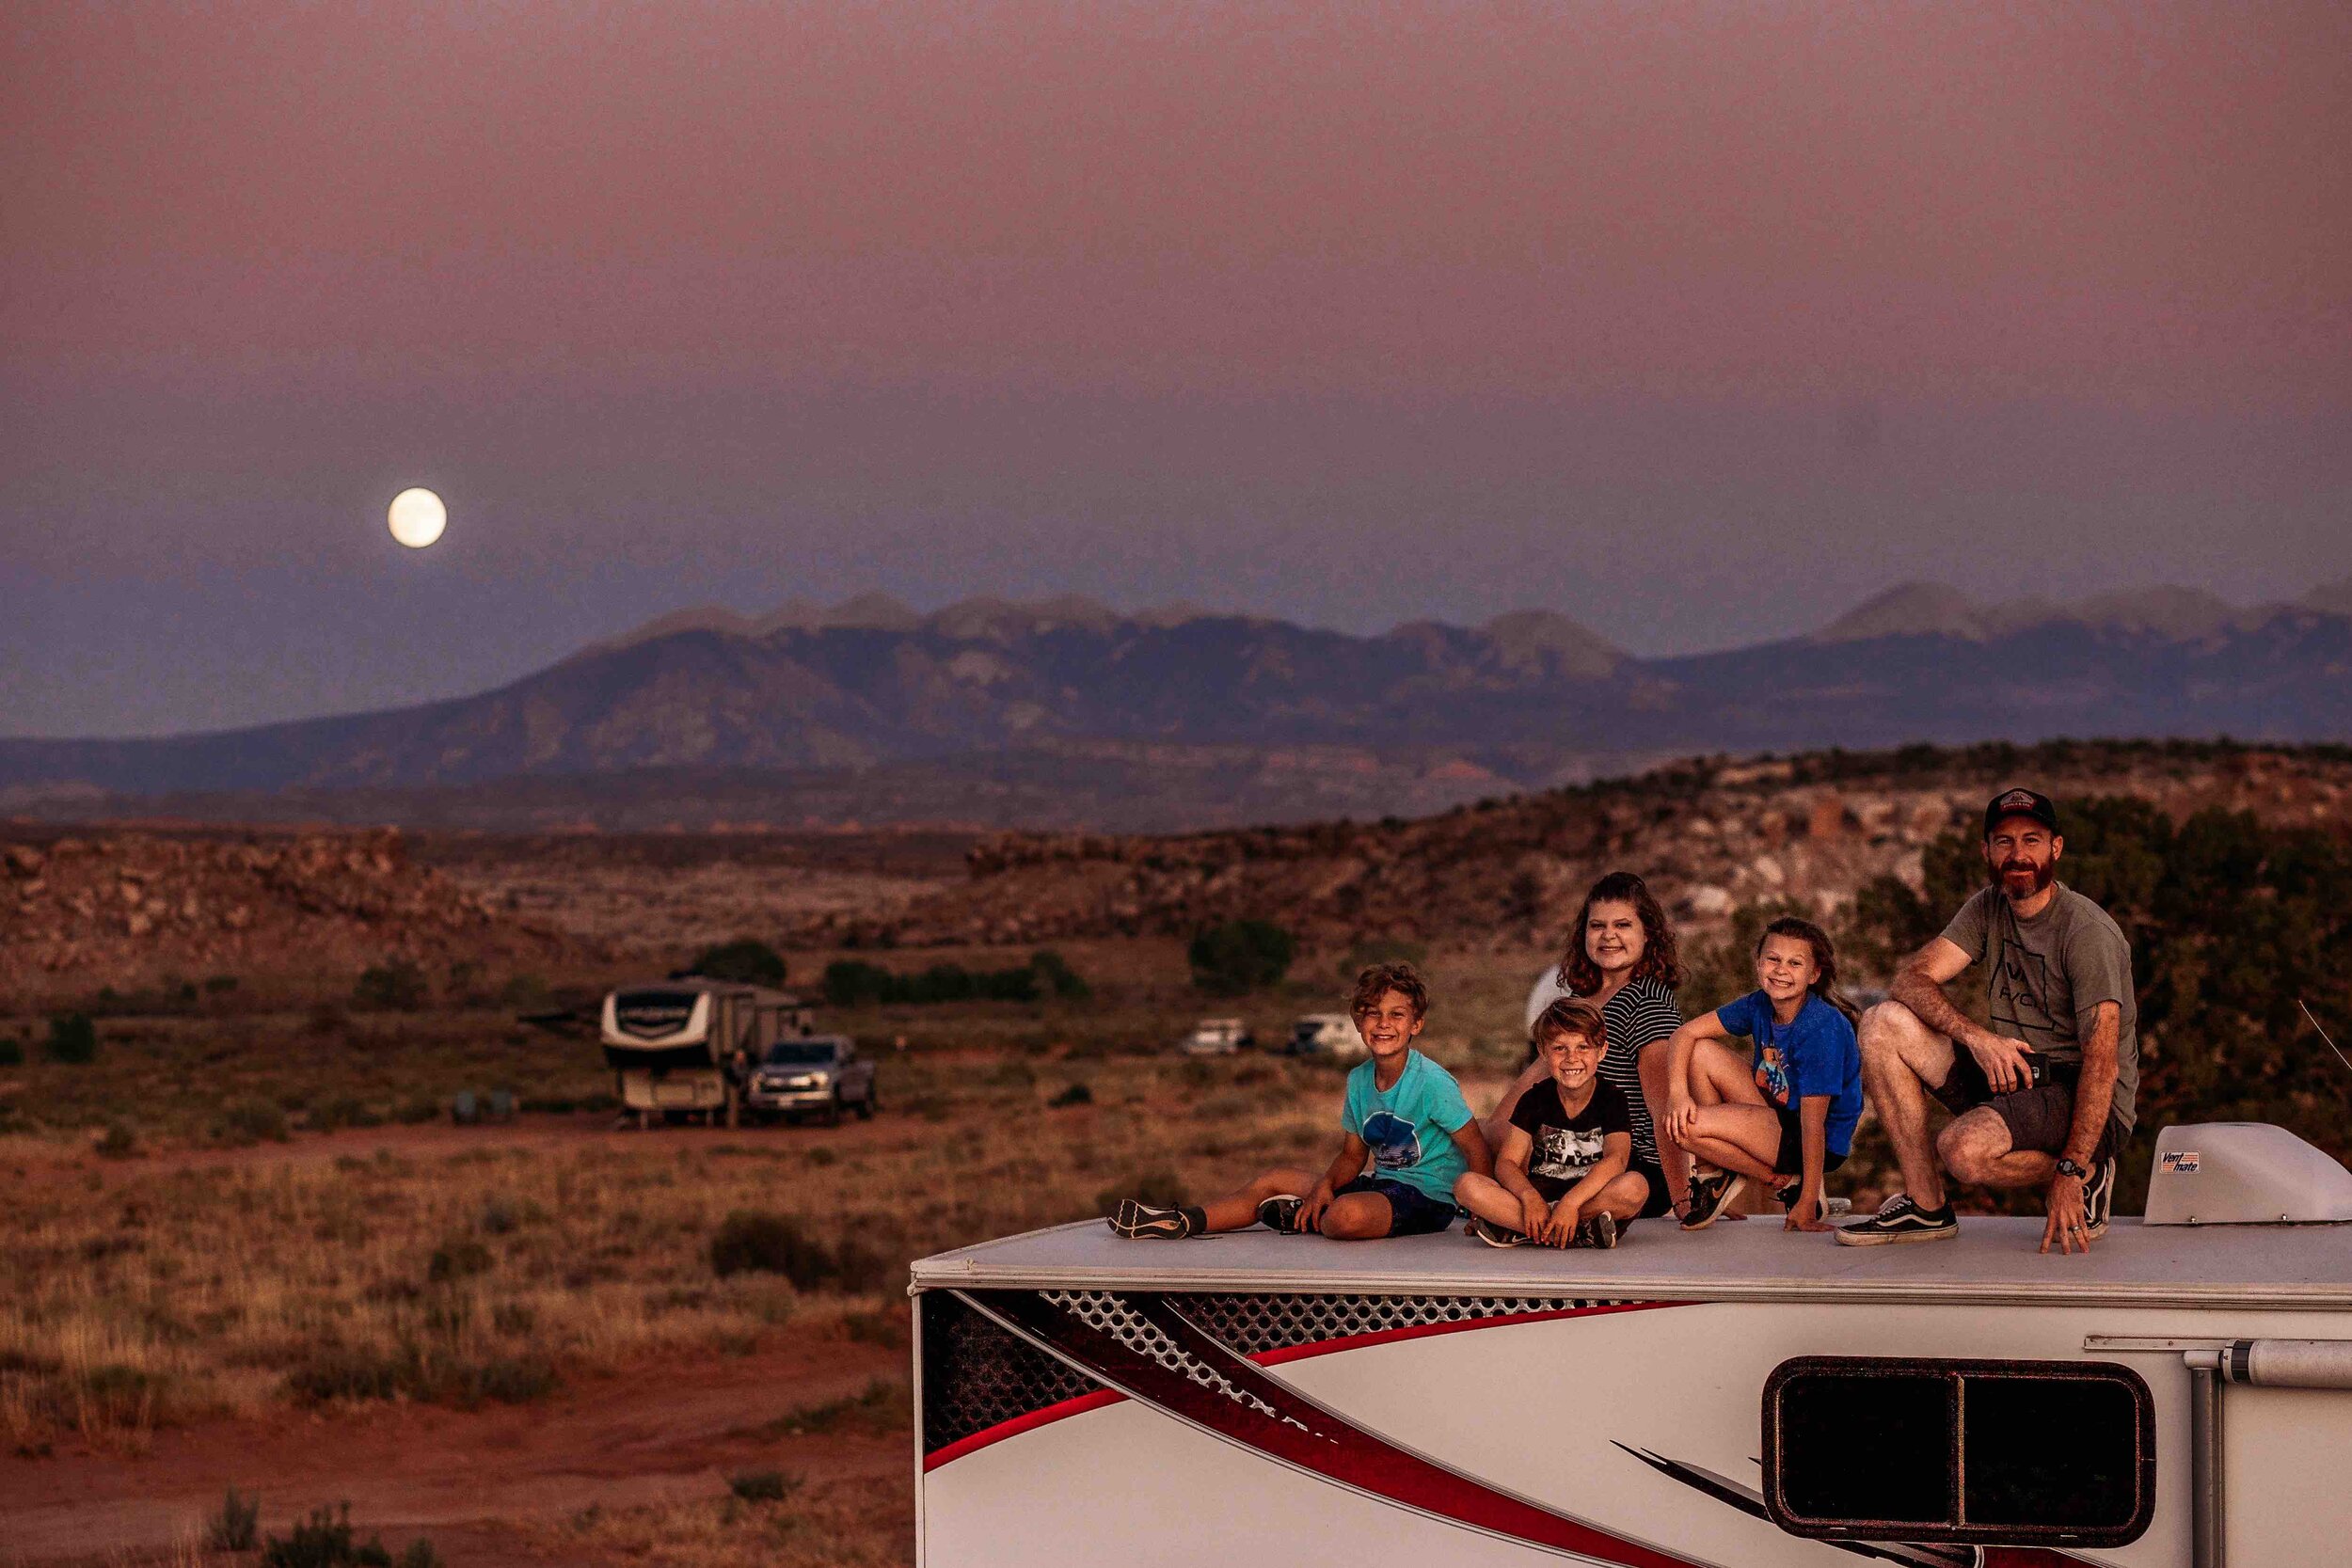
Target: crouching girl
(1782,1114)
(1562,1178)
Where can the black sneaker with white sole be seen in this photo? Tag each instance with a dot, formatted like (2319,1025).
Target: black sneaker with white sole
(1495,1235)
(1710,1197)
(1151,1222)
(1598,1231)
(1281,1212)
(1899,1219)
(2098,1198)
(1787,1196)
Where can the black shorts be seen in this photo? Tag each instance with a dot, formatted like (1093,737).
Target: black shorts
(1411,1211)
(2039,1119)
(1551,1189)
(1790,1158)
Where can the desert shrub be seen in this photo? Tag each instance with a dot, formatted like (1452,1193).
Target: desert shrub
(754,1241)
(416,1109)
(73,1039)
(1056,978)
(1079,1093)
(460,1258)
(424,1369)
(421,1554)
(325,1540)
(1159,1185)
(396,987)
(344,1110)
(1240,957)
(238,1525)
(219,985)
(850,982)
(745,960)
(763,1486)
(524,991)
(120,1143)
(12,1051)
(253,1121)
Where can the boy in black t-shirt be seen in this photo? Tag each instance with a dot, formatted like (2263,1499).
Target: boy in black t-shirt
(1561,1177)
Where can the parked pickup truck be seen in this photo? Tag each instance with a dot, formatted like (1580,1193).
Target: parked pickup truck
(819,1075)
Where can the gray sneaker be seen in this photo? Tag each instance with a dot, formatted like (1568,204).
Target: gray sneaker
(1598,1231)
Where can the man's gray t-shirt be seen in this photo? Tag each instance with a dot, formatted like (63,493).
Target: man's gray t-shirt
(2046,976)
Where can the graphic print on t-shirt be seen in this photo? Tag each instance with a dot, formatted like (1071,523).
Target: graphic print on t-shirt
(1565,1154)
(1771,1074)
(2020,984)
(1394,1144)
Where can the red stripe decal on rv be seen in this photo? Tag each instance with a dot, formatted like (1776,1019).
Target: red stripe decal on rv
(1102,1398)
(1146,1347)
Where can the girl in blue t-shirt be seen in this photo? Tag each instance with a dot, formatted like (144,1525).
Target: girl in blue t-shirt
(1785,1114)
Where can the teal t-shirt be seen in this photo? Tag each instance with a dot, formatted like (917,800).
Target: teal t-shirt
(1410,1127)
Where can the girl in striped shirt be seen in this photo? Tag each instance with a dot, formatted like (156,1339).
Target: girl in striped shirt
(1621,954)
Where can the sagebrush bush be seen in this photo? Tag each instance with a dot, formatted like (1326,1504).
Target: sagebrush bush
(746,960)
(756,1241)
(396,987)
(1080,1093)
(325,1540)
(120,1143)
(73,1039)
(253,1121)
(763,1486)
(1240,957)
(461,1257)
(237,1527)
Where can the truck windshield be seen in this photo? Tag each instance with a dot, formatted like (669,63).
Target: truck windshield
(799,1052)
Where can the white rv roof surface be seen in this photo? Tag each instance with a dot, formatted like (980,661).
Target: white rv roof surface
(1989,1260)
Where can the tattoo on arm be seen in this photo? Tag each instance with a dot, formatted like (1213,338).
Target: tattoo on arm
(2094,1091)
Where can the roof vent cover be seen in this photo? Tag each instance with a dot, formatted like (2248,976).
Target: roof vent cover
(2244,1173)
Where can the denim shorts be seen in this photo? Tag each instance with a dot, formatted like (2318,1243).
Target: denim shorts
(1411,1211)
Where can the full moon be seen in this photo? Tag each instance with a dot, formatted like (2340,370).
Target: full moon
(417,517)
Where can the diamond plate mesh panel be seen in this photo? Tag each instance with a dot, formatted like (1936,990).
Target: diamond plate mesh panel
(1251,1323)
(1107,1313)
(975,1375)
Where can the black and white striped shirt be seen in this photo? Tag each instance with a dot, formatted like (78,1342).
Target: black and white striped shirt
(1642,1013)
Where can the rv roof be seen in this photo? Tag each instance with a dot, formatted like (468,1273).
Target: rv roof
(1989,1260)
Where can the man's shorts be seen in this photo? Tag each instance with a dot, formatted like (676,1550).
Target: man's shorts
(2039,1119)
(1551,1189)
(1790,1158)
(1411,1211)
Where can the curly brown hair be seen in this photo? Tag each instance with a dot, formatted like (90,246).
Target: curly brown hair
(1660,961)
(1377,980)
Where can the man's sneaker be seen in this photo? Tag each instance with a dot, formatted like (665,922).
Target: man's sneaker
(1899,1219)
(1140,1222)
(1711,1195)
(1281,1212)
(1598,1231)
(1495,1235)
(2098,1198)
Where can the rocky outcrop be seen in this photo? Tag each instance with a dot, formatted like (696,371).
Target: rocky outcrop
(129,908)
(1709,837)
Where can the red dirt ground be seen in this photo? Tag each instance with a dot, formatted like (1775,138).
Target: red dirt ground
(675,1431)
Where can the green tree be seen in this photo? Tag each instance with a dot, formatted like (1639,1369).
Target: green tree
(1240,957)
(746,960)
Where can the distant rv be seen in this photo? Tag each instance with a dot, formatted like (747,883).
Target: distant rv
(669,1043)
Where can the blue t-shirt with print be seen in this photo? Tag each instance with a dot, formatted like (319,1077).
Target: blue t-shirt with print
(1814,1052)
(1410,1126)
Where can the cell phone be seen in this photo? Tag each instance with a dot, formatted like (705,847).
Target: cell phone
(2037,1068)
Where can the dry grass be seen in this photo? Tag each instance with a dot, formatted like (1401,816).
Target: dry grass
(840,1524)
(152,1291)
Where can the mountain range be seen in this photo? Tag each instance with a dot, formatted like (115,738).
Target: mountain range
(1066,712)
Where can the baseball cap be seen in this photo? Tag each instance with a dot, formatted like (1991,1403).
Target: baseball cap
(2021,803)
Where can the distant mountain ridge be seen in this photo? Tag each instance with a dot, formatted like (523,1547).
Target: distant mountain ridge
(1527,699)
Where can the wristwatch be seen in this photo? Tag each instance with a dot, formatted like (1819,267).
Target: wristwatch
(2068,1167)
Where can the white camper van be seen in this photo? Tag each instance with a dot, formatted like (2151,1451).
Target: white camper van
(669,1042)
(1737,1397)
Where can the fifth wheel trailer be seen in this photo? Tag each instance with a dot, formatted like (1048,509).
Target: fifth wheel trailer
(669,1042)
(1743,1396)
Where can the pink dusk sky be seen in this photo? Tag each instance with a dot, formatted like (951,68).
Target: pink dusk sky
(1693,322)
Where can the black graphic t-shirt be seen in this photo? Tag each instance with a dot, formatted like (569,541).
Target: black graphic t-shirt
(1567,1147)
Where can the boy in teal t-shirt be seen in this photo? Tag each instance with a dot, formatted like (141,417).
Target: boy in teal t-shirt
(1402,1112)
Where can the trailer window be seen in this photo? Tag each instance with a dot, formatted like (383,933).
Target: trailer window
(1864,1448)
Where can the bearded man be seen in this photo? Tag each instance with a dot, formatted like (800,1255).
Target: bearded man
(2043,1098)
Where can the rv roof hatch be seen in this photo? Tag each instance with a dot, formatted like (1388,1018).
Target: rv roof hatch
(2244,1173)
